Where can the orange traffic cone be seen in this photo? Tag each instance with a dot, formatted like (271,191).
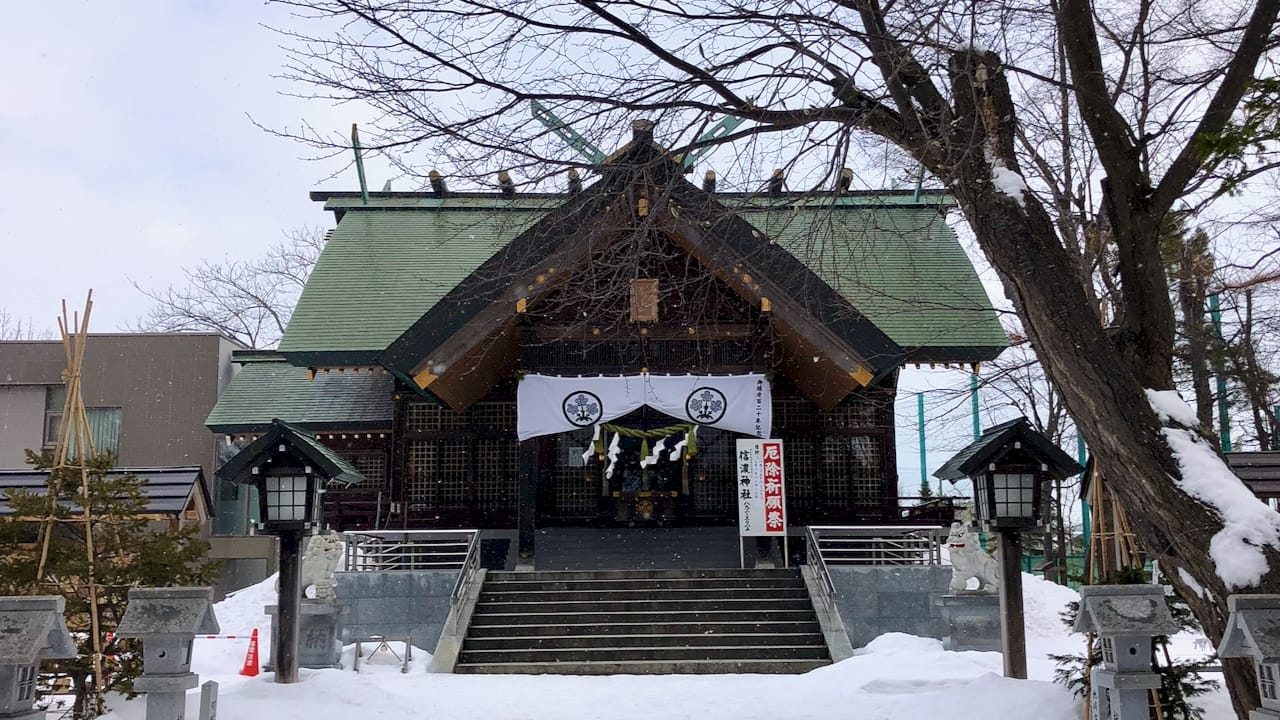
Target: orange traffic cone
(250,668)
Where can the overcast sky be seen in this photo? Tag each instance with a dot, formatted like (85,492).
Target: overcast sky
(128,149)
(129,152)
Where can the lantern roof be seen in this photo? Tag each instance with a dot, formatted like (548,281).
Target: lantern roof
(1110,610)
(1253,628)
(169,611)
(328,464)
(998,440)
(32,629)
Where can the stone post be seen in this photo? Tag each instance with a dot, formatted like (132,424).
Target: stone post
(31,630)
(1253,631)
(1127,618)
(167,621)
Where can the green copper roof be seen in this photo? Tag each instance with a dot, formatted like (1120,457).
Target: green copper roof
(382,269)
(263,391)
(902,267)
(892,256)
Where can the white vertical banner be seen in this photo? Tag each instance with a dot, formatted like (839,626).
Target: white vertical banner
(761,492)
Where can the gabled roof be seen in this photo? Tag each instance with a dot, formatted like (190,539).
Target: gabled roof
(1253,628)
(168,490)
(330,464)
(891,255)
(996,439)
(32,629)
(268,387)
(816,321)
(1109,610)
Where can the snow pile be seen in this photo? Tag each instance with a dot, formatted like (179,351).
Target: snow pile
(1247,523)
(1006,181)
(895,677)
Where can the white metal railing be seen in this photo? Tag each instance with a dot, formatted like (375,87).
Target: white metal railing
(470,565)
(383,550)
(879,544)
(813,558)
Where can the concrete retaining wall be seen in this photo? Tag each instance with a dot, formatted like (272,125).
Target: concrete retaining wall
(402,602)
(876,600)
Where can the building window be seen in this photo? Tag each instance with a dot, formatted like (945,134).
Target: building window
(1267,681)
(104,423)
(26,683)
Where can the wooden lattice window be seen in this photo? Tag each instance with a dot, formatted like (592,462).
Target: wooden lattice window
(497,472)
(577,492)
(494,416)
(868,470)
(429,417)
(713,486)
(801,472)
(451,478)
(373,466)
(420,463)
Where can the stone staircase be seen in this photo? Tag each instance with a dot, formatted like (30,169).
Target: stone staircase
(643,622)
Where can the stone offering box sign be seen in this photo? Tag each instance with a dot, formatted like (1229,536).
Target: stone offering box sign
(760,491)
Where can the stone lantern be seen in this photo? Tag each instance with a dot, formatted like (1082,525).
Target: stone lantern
(1126,618)
(290,468)
(31,630)
(1009,465)
(167,620)
(1253,631)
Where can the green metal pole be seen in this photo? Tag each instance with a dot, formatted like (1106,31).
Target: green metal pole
(973,397)
(1082,455)
(355,145)
(924,469)
(1219,367)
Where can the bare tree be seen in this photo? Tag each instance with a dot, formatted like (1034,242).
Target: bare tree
(15,328)
(246,300)
(1153,85)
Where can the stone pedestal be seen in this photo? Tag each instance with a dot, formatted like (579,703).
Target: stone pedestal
(973,622)
(320,627)
(166,694)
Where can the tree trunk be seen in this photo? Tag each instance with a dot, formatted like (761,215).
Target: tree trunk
(1101,378)
(1191,302)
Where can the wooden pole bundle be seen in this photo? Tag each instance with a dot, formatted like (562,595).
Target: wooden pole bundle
(73,452)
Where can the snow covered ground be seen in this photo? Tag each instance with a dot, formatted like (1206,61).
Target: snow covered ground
(895,677)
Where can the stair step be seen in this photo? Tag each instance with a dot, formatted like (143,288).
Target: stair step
(701,583)
(498,577)
(655,594)
(571,629)
(668,616)
(649,640)
(661,667)
(643,622)
(627,654)
(649,605)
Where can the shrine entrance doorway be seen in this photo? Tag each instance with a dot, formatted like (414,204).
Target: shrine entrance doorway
(647,470)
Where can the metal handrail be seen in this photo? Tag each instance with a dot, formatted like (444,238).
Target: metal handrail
(813,556)
(888,544)
(469,567)
(383,550)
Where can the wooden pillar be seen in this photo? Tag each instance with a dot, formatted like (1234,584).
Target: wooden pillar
(288,606)
(1012,619)
(527,498)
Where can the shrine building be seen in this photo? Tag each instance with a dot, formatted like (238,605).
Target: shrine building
(522,362)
